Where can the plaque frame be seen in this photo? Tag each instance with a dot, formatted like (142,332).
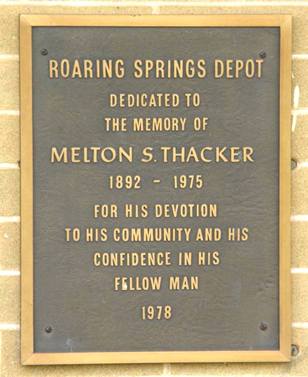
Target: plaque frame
(28,355)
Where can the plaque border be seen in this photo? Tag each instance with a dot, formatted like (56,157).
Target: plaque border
(28,356)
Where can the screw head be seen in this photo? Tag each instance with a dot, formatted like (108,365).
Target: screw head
(294,350)
(293,164)
(263,326)
(44,51)
(48,329)
(262,54)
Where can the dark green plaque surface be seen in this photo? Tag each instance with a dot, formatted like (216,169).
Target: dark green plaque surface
(76,299)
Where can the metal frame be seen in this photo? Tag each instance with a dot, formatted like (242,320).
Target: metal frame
(27,22)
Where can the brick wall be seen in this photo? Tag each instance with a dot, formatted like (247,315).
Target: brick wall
(10,174)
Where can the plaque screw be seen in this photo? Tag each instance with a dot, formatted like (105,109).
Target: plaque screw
(48,329)
(44,51)
(293,164)
(263,326)
(294,350)
(262,54)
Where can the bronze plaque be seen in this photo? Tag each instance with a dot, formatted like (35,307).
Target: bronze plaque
(155,188)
